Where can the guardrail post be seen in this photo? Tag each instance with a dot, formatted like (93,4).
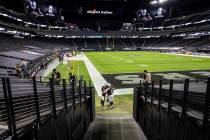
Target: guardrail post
(196,78)
(152,93)
(36,100)
(92,102)
(145,93)
(9,119)
(13,123)
(65,104)
(185,97)
(80,91)
(64,95)
(89,86)
(85,92)
(136,103)
(53,97)
(207,106)
(170,96)
(73,93)
(40,79)
(159,107)
(160,95)
(145,105)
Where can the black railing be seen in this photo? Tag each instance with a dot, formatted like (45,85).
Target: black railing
(30,110)
(169,114)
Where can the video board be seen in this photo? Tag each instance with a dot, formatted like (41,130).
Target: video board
(151,14)
(38,8)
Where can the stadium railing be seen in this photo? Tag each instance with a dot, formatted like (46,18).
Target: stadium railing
(169,114)
(31,110)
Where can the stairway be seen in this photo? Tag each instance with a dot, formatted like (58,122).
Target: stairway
(114,128)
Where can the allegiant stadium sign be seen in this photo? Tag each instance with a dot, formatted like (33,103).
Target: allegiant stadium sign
(96,12)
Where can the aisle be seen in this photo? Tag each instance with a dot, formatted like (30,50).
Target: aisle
(114,128)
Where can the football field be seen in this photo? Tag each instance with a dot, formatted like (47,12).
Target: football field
(131,64)
(136,62)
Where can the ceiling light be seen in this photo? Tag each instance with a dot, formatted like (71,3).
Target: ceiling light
(162,1)
(154,2)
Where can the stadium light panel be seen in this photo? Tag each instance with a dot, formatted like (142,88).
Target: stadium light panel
(162,1)
(2,29)
(59,36)
(26,33)
(12,31)
(20,20)
(154,2)
(43,25)
(188,23)
(202,21)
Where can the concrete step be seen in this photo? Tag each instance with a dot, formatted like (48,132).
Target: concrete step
(114,128)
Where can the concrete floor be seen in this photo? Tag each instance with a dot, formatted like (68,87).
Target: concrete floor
(114,128)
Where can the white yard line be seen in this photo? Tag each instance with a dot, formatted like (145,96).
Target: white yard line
(96,77)
(4,127)
(78,57)
(188,55)
(50,67)
(124,91)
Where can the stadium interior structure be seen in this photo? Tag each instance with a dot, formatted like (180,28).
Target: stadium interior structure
(104,42)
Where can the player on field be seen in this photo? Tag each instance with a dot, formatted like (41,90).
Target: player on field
(147,77)
(103,90)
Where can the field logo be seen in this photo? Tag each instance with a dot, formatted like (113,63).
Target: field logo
(202,73)
(135,79)
(128,79)
(173,76)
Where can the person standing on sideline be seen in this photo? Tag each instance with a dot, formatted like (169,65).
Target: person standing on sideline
(70,77)
(58,77)
(18,70)
(103,90)
(111,97)
(147,77)
(54,74)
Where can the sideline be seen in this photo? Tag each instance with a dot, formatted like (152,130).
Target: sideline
(201,56)
(50,67)
(96,77)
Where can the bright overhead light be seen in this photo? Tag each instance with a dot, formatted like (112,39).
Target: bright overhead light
(59,36)
(157,2)
(154,2)
(19,20)
(2,29)
(161,1)
(12,32)
(43,25)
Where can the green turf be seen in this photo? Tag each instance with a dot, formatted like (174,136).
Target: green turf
(131,62)
(123,106)
(135,62)
(77,68)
